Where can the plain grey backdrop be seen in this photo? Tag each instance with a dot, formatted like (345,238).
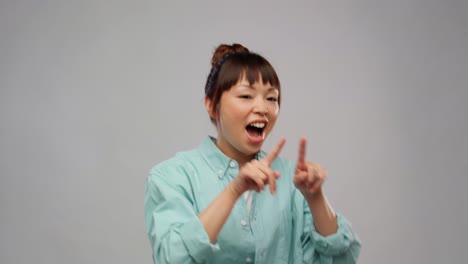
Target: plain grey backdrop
(94,93)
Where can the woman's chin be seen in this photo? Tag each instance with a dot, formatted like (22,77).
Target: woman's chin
(253,149)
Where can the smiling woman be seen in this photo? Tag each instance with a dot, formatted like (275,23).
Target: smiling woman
(245,116)
(209,204)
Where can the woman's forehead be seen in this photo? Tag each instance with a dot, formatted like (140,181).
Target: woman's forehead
(243,81)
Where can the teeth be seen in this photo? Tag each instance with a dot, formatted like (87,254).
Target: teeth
(258,125)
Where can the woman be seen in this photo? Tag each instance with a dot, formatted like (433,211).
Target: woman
(211,204)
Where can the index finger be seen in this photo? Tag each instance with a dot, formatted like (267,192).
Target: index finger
(275,152)
(302,150)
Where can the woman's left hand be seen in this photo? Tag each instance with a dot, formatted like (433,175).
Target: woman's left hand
(308,176)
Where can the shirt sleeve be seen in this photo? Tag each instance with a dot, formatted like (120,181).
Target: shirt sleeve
(174,229)
(343,247)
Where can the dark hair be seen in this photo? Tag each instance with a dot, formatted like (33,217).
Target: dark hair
(231,63)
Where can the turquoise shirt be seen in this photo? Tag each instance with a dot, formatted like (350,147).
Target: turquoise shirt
(278,229)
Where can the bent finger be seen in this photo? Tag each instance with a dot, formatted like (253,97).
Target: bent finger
(258,181)
(271,179)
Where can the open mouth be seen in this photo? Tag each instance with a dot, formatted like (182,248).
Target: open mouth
(255,131)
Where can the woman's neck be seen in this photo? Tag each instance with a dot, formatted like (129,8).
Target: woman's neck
(241,158)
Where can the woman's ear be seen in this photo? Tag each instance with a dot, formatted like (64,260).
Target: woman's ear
(209,108)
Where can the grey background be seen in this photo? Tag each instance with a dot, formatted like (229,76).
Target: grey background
(94,93)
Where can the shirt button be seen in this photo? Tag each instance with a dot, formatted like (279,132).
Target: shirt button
(243,223)
(232,164)
(220,172)
(248,260)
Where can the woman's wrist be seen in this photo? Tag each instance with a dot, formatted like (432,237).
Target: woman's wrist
(234,193)
(311,197)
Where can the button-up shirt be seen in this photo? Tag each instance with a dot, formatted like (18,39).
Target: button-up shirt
(278,229)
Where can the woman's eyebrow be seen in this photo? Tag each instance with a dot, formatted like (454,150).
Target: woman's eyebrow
(246,85)
(272,88)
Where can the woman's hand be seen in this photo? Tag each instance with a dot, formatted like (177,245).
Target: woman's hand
(254,175)
(308,176)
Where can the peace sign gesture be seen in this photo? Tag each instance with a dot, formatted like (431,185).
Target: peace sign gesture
(308,176)
(254,175)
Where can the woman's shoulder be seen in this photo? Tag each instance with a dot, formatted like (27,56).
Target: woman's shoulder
(175,168)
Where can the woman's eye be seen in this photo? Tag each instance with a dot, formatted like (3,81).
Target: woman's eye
(245,96)
(273,99)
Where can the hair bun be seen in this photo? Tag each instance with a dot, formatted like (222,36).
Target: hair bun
(224,49)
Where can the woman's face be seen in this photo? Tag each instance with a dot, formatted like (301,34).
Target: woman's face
(246,115)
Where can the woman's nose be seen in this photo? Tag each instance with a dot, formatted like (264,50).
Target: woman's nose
(261,107)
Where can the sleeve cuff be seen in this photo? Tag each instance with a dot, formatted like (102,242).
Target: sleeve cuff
(197,242)
(334,244)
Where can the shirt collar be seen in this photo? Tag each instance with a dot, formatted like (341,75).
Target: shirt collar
(216,159)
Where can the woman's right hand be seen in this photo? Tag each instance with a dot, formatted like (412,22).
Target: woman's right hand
(254,175)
